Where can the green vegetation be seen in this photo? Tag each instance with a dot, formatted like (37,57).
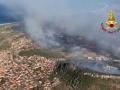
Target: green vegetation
(78,81)
(44,53)
(2,81)
(4,42)
(5,46)
(74,78)
(6,36)
(38,87)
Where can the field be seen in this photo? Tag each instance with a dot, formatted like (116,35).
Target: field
(39,52)
(78,81)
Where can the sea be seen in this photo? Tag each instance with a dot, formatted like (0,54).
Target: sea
(6,15)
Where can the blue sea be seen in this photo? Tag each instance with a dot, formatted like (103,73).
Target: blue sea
(5,15)
(6,20)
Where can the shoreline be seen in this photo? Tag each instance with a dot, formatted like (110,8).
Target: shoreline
(9,23)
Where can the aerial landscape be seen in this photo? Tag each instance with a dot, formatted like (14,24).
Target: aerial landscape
(59,45)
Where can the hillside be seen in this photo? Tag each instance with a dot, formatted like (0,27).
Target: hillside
(24,65)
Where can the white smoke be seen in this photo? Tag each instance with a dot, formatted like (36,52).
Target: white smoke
(83,22)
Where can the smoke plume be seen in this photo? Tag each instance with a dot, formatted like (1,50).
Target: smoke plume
(62,14)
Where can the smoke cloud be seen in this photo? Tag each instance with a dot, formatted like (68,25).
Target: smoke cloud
(75,21)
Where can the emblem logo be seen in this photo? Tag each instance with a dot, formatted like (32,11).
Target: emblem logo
(111,25)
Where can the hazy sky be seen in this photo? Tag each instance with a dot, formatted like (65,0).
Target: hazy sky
(77,6)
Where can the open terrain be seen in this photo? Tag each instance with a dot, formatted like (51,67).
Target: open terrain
(24,65)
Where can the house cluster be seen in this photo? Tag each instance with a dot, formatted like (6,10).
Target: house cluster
(94,56)
(102,76)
